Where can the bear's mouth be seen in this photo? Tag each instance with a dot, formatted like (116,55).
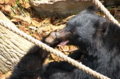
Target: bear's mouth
(56,39)
(63,43)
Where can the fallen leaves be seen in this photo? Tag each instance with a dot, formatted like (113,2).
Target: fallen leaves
(6,8)
(6,5)
(10,2)
(5,76)
(25,4)
(23,29)
(36,35)
(21,18)
(67,49)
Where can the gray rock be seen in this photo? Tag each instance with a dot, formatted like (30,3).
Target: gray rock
(61,7)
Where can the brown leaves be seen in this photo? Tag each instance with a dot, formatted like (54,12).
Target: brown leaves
(35,23)
(10,2)
(25,4)
(5,8)
(5,76)
(5,5)
(67,49)
(36,35)
(24,20)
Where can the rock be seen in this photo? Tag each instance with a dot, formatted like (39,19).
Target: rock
(61,7)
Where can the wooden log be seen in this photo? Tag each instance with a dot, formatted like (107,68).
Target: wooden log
(12,47)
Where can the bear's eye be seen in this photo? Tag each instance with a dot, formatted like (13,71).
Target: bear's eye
(73,32)
(102,30)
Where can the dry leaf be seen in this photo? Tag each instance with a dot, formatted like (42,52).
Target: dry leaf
(12,2)
(9,2)
(72,48)
(37,19)
(16,20)
(6,8)
(55,57)
(46,21)
(35,23)
(64,48)
(23,29)
(25,4)
(2,77)
(4,1)
(36,35)
(27,18)
(7,75)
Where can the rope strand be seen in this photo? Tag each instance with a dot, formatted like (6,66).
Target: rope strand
(105,11)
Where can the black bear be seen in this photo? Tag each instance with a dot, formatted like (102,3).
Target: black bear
(99,43)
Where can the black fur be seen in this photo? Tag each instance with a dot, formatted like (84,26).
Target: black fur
(30,66)
(99,40)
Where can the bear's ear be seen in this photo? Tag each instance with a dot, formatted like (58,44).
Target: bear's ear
(92,8)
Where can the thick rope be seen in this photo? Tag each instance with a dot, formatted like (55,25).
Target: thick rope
(57,53)
(105,11)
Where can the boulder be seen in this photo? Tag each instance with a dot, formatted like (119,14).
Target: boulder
(61,7)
